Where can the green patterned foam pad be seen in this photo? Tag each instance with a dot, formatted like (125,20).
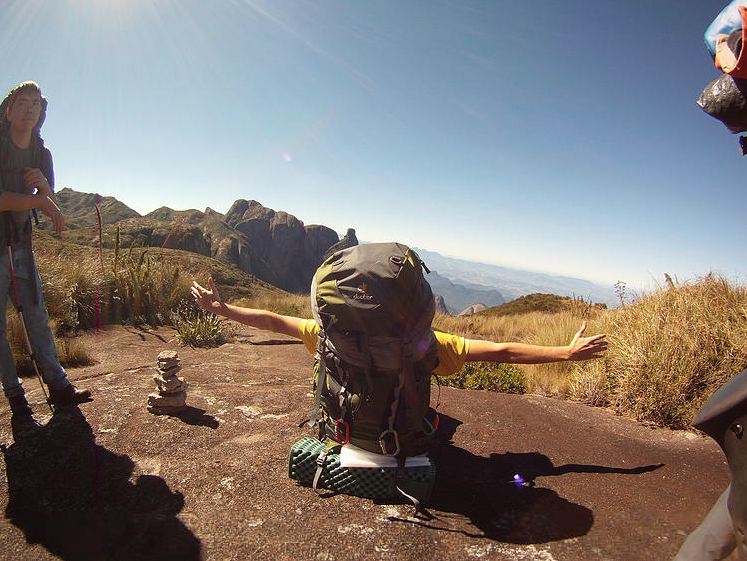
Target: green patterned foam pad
(372,483)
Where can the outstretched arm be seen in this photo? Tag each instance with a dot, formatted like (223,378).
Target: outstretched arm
(209,299)
(580,348)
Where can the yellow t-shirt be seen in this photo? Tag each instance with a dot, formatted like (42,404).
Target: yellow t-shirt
(452,349)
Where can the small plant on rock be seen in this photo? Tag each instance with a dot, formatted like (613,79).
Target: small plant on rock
(199,328)
(505,378)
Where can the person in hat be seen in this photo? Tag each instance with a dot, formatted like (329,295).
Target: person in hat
(27,184)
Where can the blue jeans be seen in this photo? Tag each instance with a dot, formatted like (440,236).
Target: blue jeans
(37,324)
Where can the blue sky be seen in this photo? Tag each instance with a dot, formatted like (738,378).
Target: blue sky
(554,136)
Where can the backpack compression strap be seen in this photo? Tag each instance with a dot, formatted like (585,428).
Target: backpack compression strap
(321,458)
(321,378)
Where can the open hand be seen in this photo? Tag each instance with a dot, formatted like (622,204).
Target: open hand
(207,298)
(585,348)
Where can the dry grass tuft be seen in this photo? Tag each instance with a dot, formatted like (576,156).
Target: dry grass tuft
(288,304)
(671,350)
(537,328)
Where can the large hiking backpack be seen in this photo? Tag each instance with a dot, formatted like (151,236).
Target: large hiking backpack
(375,351)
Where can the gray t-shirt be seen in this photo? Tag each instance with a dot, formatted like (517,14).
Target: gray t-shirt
(13,162)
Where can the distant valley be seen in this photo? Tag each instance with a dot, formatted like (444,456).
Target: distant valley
(458,297)
(513,283)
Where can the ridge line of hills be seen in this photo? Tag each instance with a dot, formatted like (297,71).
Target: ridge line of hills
(278,248)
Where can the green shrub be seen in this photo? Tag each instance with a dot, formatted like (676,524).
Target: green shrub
(199,328)
(505,378)
(293,309)
(145,290)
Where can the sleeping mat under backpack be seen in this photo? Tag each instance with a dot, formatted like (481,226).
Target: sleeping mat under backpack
(370,483)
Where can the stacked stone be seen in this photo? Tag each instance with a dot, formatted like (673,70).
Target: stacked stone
(172,395)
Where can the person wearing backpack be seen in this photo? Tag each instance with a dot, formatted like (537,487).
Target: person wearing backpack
(375,351)
(27,183)
(453,351)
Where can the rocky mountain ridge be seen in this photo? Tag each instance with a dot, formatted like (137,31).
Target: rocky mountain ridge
(272,245)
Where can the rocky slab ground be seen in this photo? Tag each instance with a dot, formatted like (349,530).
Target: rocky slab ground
(109,480)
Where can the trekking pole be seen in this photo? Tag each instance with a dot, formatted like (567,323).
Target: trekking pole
(19,308)
(97,206)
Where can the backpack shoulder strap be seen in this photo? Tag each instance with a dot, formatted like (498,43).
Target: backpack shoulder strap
(43,161)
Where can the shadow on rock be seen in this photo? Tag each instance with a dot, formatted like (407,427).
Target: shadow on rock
(484,490)
(194,416)
(276,342)
(142,332)
(75,498)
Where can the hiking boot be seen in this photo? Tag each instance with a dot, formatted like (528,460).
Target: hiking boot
(19,406)
(68,395)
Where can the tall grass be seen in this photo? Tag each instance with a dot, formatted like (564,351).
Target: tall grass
(670,351)
(297,305)
(70,351)
(537,328)
(71,290)
(82,292)
(128,286)
(144,290)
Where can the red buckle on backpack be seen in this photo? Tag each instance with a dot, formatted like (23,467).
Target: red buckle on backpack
(345,440)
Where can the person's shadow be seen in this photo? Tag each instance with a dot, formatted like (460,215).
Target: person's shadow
(500,507)
(75,498)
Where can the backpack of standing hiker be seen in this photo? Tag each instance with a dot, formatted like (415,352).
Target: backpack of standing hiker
(375,354)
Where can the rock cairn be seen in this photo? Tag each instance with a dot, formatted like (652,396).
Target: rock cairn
(172,395)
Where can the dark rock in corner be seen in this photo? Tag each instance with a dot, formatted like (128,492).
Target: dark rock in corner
(317,243)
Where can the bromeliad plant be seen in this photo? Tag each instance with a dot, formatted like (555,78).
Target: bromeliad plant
(144,292)
(198,328)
